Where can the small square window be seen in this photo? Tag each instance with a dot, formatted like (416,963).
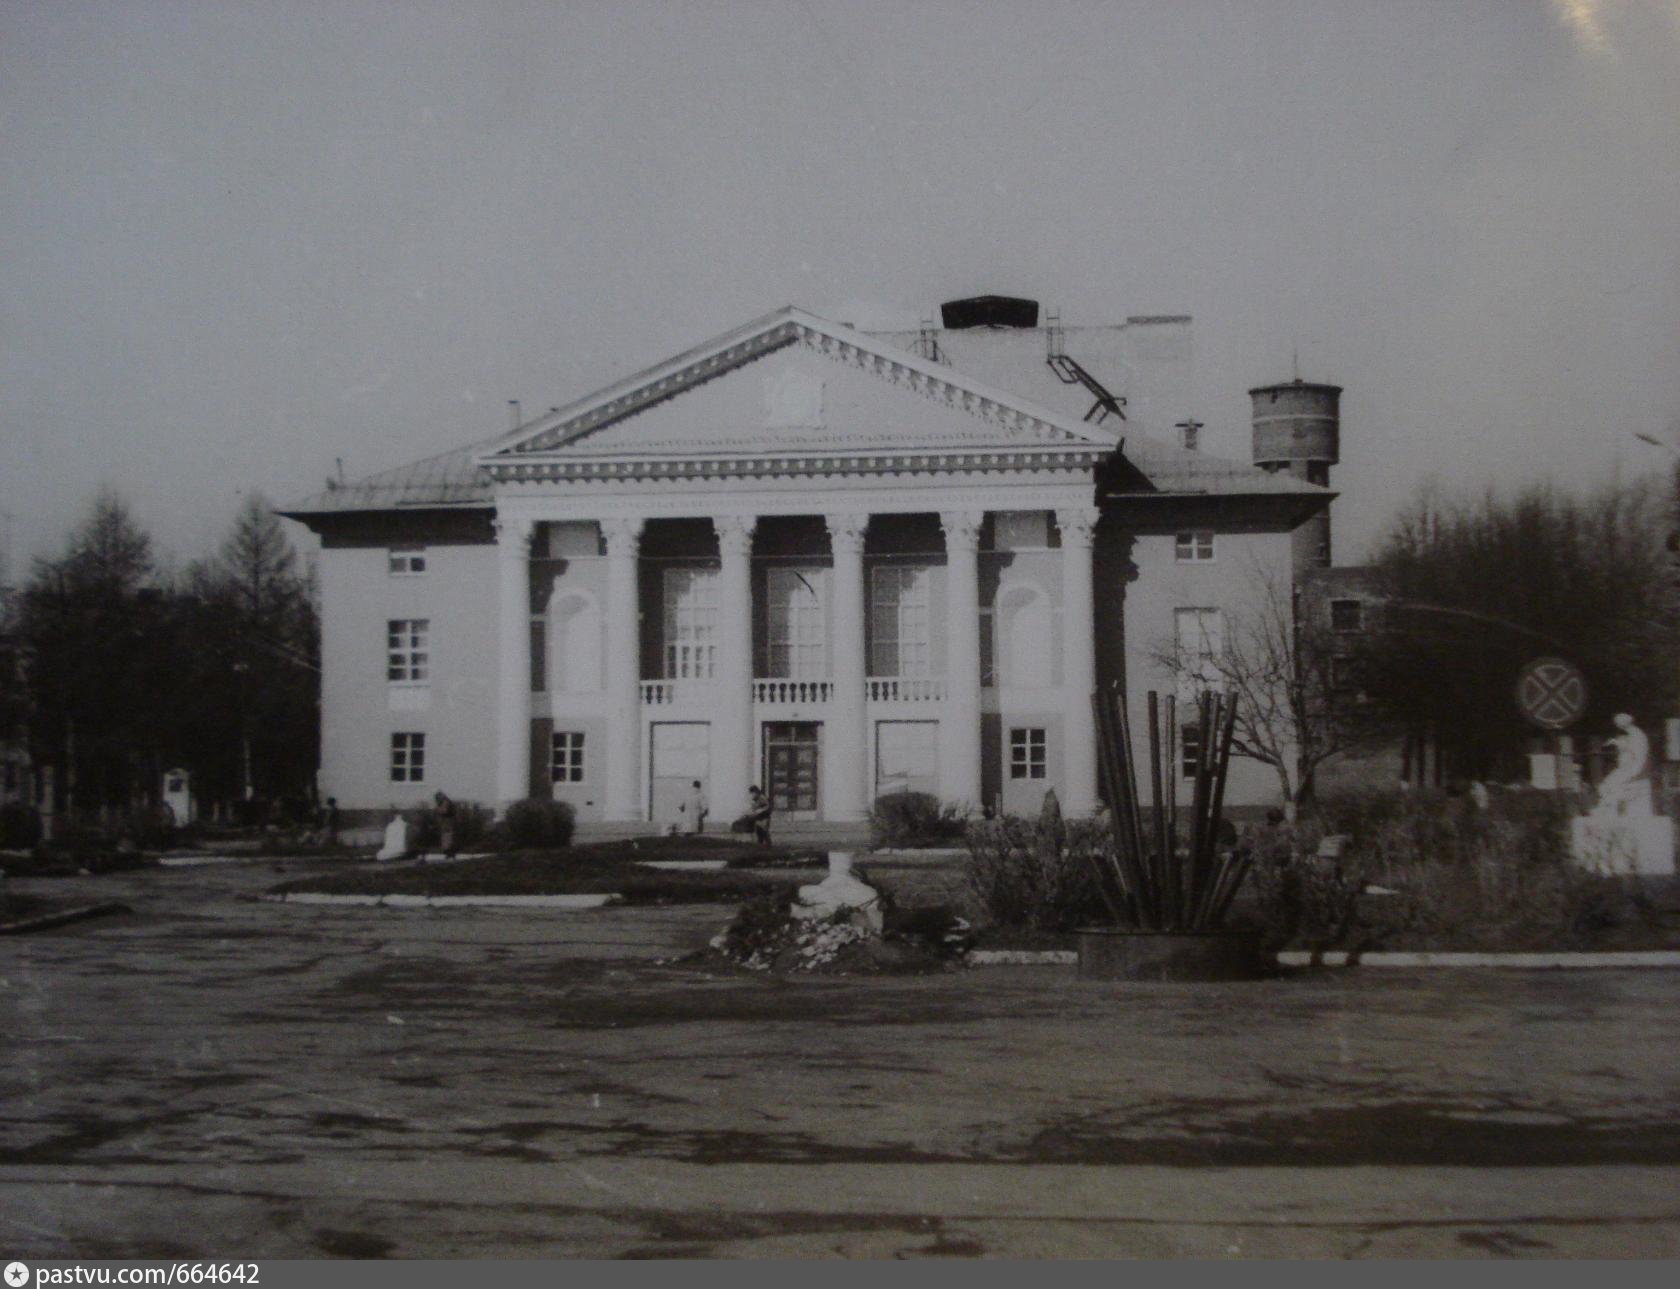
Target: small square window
(1346,615)
(407,650)
(565,762)
(1194,547)
(408,758)
(1027,756)
(407,561)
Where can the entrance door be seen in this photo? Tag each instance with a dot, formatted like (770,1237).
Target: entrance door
(790,767)
(681,753)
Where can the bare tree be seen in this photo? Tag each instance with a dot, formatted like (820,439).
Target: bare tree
(1293,713)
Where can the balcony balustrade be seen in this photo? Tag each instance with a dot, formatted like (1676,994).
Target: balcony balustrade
(798,692)
(906,689)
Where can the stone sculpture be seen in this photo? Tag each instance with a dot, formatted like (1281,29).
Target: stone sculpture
(1623,835)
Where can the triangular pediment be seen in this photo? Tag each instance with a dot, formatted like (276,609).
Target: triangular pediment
(793,384)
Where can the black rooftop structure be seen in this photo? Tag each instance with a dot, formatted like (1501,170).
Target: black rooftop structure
(989,311)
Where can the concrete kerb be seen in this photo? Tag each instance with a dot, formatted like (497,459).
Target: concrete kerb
(1341,958)
(565,902)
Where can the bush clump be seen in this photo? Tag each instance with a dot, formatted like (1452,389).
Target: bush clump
(20,826)
(539,825)
(1429,870)
(473,825)
(906,820)
(1037,874)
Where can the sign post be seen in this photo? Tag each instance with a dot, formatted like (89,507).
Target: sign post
(1552,694)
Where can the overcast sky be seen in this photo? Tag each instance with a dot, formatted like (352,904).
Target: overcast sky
(240,240)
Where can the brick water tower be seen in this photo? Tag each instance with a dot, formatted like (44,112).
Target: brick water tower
(1297,427)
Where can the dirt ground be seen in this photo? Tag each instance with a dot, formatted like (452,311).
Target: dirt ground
(216,1077)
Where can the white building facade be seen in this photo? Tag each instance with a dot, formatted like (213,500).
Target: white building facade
(799,556)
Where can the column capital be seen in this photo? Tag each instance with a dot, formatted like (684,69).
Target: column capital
(1078,524)
(846,533)
(734,535)
(623,534)
(962,528)
(514,536)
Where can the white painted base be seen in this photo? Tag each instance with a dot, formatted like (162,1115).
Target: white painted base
(1622,845)
(839,892)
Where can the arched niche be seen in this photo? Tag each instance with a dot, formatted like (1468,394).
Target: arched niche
(574,634)
(1025,637)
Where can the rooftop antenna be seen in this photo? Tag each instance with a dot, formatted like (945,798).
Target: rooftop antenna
(513,404)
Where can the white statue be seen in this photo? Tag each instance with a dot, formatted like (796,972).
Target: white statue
(1623,835)
(396,839)
(1624,790)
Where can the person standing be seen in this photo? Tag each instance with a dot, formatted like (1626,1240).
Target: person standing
(446,823)
(695,808)
(759,811)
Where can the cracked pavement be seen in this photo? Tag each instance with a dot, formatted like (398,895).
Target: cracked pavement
(215,1077)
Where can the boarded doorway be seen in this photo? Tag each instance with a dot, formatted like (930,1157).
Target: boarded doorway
(681,753)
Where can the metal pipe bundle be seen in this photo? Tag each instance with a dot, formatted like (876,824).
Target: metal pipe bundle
(1148,880)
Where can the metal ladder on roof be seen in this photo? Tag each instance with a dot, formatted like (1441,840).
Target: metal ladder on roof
(1069,371)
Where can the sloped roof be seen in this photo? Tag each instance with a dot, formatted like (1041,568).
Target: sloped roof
(462,477)
(450,478)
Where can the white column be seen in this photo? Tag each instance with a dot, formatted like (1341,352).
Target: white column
(846,740)
(959,760)
(732,714)
(626,788)
(513,670)
(1079,661)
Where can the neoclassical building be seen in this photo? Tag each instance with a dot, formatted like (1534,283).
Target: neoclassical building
(833,563)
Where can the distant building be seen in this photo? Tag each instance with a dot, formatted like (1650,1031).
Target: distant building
(834,563)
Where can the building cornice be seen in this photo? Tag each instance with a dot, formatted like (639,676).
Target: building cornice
(533,468)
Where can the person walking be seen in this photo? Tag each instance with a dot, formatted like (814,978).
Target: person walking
(759,812)
(695,809)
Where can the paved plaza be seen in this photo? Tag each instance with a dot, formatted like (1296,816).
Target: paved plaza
(215,1077)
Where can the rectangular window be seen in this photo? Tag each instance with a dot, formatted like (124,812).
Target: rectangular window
(690,623)
(1190,744)
(794,630)
(1346,675)
(407,654)
(1195,547)
(407,561)
(408,758)
(1200,638)
(1027,759)
(901,638)
(1346,615)
(565,762)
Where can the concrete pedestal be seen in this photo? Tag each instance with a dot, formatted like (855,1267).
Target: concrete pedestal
(1634,843)
(840,892)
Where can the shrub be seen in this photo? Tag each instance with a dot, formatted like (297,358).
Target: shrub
(539,825)
(902,820)
(1456,877)
(20,826)
(1027,878)
(473,823)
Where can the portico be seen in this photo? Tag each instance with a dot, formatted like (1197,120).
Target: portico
(713,678)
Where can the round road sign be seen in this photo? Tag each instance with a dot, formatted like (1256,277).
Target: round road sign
(1552,693)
